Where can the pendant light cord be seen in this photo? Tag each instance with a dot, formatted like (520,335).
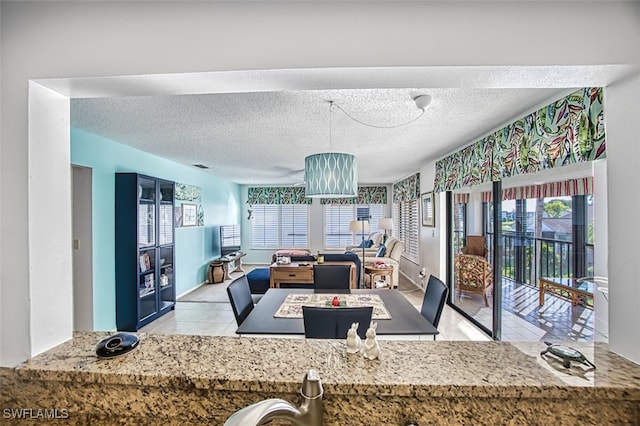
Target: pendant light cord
(368,124)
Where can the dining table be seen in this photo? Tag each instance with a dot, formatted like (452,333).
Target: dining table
(405,319)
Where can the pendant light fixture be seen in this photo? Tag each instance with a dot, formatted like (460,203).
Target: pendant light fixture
(331,174)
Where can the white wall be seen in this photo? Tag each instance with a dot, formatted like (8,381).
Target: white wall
(49,192)
(430,237)
(601,255)
(623,152)
(54,39)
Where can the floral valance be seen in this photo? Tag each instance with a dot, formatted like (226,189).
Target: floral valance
(366,195)
(570,130)
(407,189)
(567,188)
(277,195)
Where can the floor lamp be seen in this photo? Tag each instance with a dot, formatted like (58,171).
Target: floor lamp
(363,226)
(385,223)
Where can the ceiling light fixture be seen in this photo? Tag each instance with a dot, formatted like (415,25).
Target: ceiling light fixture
(421,101)
(331,174)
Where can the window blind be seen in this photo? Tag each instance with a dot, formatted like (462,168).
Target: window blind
(406,226)
(293,225)
(279,226)
(337,218)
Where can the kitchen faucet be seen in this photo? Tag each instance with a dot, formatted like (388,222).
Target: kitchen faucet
(308,414)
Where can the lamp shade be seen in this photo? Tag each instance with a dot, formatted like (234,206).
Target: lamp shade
(385,223)
(359,226)
(331,175)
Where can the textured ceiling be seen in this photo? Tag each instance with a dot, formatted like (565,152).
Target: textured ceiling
(263,137)
(256,127)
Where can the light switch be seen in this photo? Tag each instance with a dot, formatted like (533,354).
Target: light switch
(76,245)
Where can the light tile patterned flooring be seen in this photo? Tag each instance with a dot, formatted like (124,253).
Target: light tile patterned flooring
(523,319)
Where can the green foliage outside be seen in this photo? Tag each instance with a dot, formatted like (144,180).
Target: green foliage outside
(556,208)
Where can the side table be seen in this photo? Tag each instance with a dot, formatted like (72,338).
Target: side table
(229,258)
(373,272)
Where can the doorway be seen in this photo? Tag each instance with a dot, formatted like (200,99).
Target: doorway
(81,199)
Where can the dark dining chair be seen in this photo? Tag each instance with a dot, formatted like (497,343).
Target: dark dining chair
(332,277)
(333,323)
(435,296)
(240,297)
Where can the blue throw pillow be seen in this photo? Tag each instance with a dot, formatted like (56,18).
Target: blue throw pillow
(381,251)
(366,244)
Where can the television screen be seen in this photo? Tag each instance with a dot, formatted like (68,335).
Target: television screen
(229,239)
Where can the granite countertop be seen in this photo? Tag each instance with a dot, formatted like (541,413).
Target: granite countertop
(405,368)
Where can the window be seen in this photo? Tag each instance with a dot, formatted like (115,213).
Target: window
(337,218)
(406,226)
(459,226)
(279,226)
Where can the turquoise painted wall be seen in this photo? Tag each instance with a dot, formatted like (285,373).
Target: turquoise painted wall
(194,246)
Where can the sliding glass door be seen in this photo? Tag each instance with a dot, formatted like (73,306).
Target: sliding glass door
(536,233)
(472,272)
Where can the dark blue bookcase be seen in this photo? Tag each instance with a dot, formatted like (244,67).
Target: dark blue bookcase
(144,244)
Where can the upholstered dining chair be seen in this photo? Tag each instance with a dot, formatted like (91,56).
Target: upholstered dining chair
(239,294)
(333,323)
(332,277)
(435,296)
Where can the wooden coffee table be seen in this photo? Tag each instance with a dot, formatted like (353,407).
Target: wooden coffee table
(568,288)
(373,272)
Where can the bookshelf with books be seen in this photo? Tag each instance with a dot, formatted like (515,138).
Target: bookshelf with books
(145,287)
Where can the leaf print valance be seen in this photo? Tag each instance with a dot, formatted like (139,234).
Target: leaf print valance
(570,130)
(277,195)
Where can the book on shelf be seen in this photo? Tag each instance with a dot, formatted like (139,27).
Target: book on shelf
(145,262)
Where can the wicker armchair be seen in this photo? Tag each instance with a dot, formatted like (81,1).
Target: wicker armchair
(475,244)
(475,275)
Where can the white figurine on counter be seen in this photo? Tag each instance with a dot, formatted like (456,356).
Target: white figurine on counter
(353,340)
(371,348)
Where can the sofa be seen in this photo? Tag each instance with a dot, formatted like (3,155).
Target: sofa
(376,240)
(259,278)
(393,252)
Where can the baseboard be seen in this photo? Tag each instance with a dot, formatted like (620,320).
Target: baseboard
(410,280)
(191,290)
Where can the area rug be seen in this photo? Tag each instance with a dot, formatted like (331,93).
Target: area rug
(292,305)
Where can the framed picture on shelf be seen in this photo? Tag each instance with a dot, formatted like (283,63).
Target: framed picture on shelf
(189,214)
(428,209)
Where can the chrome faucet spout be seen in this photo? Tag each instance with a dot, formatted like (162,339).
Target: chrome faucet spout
(308,414)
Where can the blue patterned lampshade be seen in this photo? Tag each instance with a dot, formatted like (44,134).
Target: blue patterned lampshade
(331,175)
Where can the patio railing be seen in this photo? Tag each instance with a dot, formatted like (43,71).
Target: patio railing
(525,259)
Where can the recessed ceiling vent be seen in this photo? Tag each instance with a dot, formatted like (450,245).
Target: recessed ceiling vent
(201,166)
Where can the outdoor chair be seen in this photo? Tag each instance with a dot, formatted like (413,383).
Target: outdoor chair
(474,275)
(476,245)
